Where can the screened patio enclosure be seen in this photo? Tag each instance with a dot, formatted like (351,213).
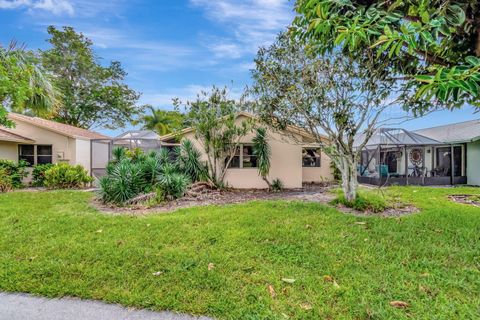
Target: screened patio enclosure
(400,157)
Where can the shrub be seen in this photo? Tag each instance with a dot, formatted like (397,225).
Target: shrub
(189,159)
(66,176)
(15,171)
(38,174)
(277,185)
(365,201)
(123,181)
(6,183)
(173,183)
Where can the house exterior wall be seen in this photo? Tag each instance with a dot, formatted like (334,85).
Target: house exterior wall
(9,150)
(82,153)
(60,143)
(286,163)
(473,163)
(318,174)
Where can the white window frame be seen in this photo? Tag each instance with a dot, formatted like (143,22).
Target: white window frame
(240,166)
(35,153)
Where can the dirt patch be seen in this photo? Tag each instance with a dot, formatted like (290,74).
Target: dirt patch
(319,193)
(470,199)
(390,212)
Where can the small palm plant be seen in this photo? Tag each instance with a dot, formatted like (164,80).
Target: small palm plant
(261,149)
(190,161)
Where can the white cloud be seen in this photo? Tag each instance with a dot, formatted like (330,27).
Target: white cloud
(251,23)
(57,7)
(164,98)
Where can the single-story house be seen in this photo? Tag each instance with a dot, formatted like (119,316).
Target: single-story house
(295,158)
(442,155)
(40,141)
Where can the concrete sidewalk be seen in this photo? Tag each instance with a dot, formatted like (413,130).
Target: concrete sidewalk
(15,306)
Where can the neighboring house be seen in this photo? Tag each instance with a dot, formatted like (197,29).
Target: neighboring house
(40,141)
(295,158)
(442,155)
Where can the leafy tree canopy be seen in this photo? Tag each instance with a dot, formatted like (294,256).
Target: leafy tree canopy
(24,86)
(433,44)
(93,95)
(162,121)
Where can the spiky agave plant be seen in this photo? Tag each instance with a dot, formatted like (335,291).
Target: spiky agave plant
(123,182)
(190,162)
(262,150)
(172,182)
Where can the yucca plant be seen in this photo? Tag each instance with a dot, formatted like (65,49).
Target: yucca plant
(261,149)
(124,181)
(189,159)
(172,182)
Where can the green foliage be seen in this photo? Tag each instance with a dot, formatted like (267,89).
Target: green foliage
(15,171)
(277,185)
(66,176)
(262,150)
(189,160)
(24,85)
(132,173)
(375,201)
(173,183)
(433,44)
(91,93)
(38,174)
(162,121)
(123,181)
(213,117)
(6,183)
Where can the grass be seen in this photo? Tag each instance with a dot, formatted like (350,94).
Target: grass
(54,244)
(372,200)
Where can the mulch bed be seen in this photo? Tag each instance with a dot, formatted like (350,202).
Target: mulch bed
(319,193)
(470,199)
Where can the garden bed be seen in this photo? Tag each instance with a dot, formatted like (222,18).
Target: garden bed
(470,199)
(319,193)
(310,192)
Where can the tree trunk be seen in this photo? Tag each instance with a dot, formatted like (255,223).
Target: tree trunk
(267,182)
(349,177)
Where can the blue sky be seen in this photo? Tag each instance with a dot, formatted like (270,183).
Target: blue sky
(171,48)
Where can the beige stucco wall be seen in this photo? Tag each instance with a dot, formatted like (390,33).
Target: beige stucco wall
(473,163)
(286,164)
(9,150)
(73,151)
(318,174)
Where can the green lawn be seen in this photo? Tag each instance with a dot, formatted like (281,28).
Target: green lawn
(55,244)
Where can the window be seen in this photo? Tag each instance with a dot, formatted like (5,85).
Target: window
(235,162)
(311,157)
(35,154)
(243,158)
(26,152)
(44,154)
(249,160)
(444,159)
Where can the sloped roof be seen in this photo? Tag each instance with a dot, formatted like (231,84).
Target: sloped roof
(395,137)
(292,129)
(61,128)
(6,135)
(466,131)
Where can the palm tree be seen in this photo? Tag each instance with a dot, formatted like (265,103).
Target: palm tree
(24,86)
(261,149)
(161,121)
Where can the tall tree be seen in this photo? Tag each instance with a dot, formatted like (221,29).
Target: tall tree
(323,94)
(162,121)
(93,95)
(213,116)
(433,44)
(24,86)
